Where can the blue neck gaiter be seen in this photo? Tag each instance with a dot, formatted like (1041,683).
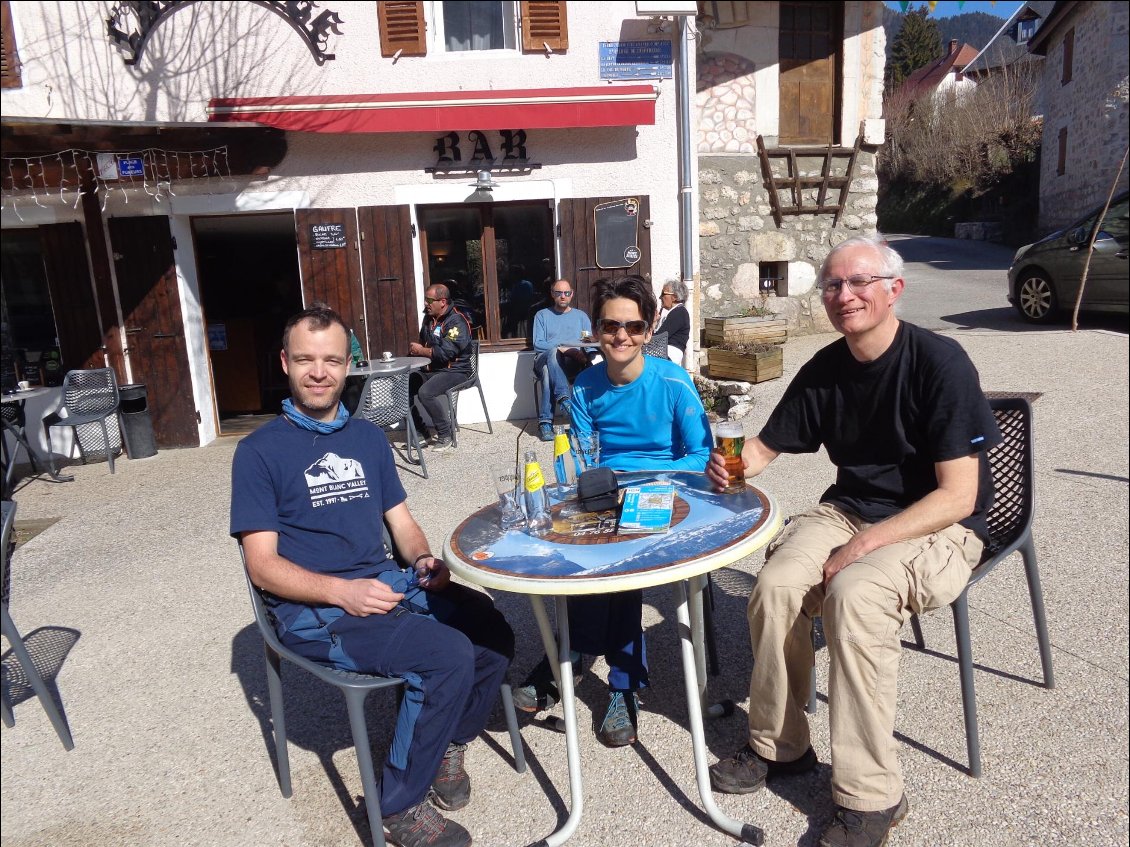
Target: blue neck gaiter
(306,422)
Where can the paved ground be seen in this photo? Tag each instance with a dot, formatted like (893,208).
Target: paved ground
(136,598)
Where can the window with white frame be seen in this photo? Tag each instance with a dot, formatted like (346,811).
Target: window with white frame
(475,25)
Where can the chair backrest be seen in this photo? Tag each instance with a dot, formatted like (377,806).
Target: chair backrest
(1011,463)
(474,377)
(657,346)
(90,392)
(9,508)
(386,400)
(12,413)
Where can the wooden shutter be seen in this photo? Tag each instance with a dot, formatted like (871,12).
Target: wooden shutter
(9,58)
(1061,156)
(154,328)
(390,290)
(402,29)
(332,276)
(542,24)
(578,246)
(72,295)
(1068,54)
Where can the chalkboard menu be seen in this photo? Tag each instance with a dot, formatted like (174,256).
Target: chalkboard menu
(327,236)
(617,228)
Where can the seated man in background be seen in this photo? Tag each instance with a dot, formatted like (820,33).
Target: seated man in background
(557,362)
(310,493)
(445,338)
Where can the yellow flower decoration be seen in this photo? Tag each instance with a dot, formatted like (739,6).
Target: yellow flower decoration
(453,333)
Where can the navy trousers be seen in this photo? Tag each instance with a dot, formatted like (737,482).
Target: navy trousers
(611,625)
(452,648)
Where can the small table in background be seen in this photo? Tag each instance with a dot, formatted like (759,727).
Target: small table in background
(709,530)
(15,423)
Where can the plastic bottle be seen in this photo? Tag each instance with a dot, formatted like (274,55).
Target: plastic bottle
(538,521)
(564,462)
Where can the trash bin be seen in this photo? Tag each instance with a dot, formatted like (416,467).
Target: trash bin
(137,425)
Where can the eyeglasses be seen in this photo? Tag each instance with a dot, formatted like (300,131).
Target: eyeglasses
(562,293)
(430,300)
(611,327)
(858,284)
(666,293)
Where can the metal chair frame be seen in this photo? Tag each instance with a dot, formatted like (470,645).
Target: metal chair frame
(452,395)
(1012,464)
(54,711)
(355,687)
(385,402)
(89,397)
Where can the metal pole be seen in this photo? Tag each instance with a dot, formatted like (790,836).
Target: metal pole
(683,105)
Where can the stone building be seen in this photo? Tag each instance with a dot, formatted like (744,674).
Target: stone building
(791,90)
(1085,92)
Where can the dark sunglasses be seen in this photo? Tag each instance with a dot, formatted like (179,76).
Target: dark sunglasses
(430,300)
(562,293)
(611,327)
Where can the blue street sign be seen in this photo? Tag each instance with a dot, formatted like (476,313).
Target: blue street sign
(635,60)
(131,166)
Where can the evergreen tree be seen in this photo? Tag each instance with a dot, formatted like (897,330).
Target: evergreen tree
(918,43)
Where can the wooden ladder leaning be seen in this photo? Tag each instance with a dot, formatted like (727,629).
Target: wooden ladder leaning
(796,184)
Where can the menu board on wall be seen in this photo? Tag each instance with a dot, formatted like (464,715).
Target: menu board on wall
(617,233)
(327,236)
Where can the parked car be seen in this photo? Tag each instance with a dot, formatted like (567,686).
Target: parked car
(1043,280)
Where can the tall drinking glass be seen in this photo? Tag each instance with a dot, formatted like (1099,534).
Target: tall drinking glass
(588,448)
(508,483)
(729,438)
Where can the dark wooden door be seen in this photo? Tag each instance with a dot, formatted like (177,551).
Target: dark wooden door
(809,42)
(578,245)
(154,326)
(332,275)
(392,321)
(72,295)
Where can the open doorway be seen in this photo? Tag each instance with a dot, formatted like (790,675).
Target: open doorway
(249,286)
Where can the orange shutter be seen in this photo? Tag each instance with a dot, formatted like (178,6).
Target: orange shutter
(402,28)
(542,24)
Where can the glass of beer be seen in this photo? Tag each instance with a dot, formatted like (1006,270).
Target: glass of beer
(729,438)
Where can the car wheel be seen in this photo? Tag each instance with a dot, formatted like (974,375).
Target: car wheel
(1035,298)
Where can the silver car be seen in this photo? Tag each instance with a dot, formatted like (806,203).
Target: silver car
(1043,280)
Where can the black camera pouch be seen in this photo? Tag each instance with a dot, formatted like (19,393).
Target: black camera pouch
(598,490)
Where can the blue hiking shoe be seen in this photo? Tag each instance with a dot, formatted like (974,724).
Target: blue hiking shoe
(618,729)
(545,432)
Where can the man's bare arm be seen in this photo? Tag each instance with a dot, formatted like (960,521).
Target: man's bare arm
(953,500)
(284,578)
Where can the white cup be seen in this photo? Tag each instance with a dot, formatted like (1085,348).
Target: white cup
(386,356)
(23,385)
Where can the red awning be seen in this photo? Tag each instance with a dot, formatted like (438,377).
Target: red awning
(431,111)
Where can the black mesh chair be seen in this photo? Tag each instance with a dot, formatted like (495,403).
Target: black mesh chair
(90,397)
(384,401)
(1010,531)
(54,712)
(656,346)
(472,381)
(355,687)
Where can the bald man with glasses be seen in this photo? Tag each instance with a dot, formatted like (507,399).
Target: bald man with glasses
(558,360)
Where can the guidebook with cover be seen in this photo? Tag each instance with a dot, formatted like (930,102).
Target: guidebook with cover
(647,508)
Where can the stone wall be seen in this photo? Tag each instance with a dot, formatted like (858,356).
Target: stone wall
(1092,107)
(737,232)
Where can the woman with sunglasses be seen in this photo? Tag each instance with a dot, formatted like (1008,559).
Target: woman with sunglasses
(674,319)
(649,417)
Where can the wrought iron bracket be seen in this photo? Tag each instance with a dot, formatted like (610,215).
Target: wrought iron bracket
(131,22)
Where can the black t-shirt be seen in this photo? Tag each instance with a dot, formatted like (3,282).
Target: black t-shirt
(885,423)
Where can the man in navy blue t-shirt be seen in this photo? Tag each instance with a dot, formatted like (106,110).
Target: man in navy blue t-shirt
(902,416)
(310,493)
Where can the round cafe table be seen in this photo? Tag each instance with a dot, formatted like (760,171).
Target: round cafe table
(584,554)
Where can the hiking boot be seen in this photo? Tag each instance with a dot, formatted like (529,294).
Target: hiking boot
(545,432)
(539,692)
(422,826)
(618,729)
(452,787)
(863,829)
(443,445)
(747,770)
(565,410)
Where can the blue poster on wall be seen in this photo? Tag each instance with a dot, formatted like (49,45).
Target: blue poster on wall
(635,59)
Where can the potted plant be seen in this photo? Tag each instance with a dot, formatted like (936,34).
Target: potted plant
(755,325)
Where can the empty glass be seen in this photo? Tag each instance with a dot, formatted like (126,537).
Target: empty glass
(588,448)
(508,483)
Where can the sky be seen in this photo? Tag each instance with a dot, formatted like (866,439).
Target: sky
(947,8)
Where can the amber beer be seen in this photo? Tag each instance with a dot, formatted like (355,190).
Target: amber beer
(729,438)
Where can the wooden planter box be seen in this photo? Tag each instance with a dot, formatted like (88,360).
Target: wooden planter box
(745,367)
(753,330)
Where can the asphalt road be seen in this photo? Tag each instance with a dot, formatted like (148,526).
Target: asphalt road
(957,284)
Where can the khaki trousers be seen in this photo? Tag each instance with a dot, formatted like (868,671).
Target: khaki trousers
(864,607)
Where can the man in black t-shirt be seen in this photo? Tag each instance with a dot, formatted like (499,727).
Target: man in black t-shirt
(901,413)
